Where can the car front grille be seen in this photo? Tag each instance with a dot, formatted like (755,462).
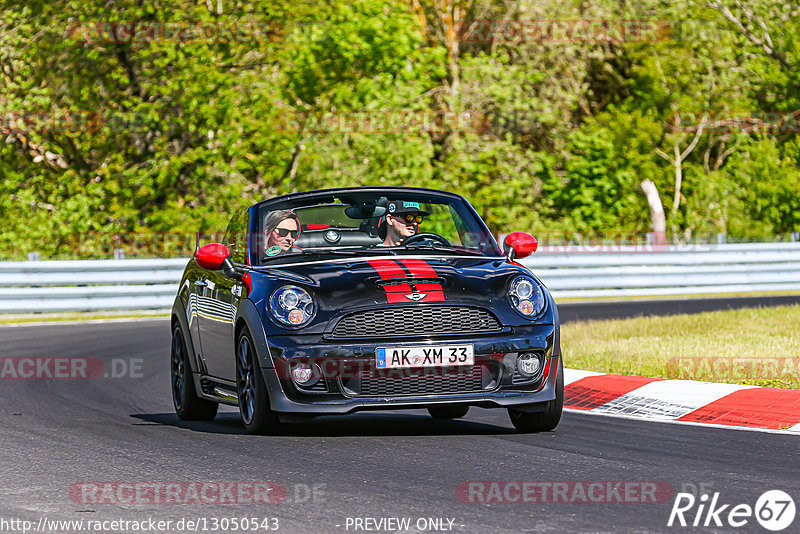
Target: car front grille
(417,321)
(419,382)
(362,379)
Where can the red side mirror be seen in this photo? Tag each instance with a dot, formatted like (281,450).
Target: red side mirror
(211,256)
(519,245)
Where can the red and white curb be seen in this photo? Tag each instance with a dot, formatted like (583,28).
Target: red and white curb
(686,401)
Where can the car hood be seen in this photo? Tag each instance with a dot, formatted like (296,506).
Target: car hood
(341,285)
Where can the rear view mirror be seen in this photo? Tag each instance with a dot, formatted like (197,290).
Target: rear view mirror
(518,245)
(211,256)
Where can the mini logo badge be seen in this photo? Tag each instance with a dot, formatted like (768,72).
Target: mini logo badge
(416,296)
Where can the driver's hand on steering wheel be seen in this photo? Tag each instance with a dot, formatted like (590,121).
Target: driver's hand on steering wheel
(426,236)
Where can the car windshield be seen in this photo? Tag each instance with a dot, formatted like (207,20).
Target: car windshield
(363,223)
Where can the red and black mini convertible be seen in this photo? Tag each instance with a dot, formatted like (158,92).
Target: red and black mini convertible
(341,300)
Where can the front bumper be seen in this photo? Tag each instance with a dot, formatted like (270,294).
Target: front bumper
(340,389)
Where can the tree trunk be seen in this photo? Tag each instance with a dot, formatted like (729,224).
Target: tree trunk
(677,161)
(659,222)
(676,201)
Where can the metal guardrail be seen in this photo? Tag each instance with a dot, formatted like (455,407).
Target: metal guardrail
(585,272)
(569,272)
(88,285)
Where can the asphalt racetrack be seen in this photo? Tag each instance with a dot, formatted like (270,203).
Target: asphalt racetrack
(346,474)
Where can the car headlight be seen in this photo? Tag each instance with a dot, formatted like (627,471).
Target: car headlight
(526,296)
(291,305)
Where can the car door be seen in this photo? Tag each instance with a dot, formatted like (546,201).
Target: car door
(221,301)
(194,287)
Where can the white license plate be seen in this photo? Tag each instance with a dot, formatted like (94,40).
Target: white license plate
(427,356)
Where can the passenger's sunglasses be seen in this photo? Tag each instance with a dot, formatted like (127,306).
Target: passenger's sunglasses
(413,218)
(283,232)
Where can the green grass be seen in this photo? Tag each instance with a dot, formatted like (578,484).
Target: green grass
(756,346)
(77,316)
(682,297)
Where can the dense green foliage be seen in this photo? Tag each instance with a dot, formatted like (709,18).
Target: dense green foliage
(104,134)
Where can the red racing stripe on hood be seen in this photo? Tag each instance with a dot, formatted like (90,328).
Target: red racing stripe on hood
(418,267)
(391,269)
(432,292)
(387,268)
(422,269)
(397,292)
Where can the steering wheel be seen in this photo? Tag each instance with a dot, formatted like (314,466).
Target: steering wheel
(426,235)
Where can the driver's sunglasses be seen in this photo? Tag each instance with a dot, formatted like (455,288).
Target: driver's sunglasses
(413,218)
(283,232)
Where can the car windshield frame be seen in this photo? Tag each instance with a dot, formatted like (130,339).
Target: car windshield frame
(362,200)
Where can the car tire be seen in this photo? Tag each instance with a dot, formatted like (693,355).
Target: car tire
(448,412)
(188,405)
(254,408)
(545,420)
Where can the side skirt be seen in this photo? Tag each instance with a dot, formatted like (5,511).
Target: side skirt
(217,390)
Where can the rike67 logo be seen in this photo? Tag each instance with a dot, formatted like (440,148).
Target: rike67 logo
(774,510)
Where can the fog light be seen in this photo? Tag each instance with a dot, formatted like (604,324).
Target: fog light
(529,364)
(302,374)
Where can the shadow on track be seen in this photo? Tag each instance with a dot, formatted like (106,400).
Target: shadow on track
(339,426)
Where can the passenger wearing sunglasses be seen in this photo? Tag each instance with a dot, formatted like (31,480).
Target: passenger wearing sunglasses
(281,229)
(401,221)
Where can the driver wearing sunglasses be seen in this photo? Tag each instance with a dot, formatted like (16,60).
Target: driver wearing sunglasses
(401,221)
(281,229)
